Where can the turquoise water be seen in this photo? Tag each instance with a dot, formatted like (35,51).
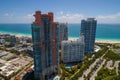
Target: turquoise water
(23,29)
(55,79)
(68,66)
(104,31)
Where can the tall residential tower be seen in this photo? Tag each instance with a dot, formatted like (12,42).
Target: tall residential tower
(63,33)
(45,37)
(88,29)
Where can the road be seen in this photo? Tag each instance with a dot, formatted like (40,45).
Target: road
(74,74)
(85,73)
(109,65)
(95,73)
(116,65)
(21,73)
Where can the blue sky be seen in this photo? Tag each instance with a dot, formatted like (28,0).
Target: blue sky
(71,11)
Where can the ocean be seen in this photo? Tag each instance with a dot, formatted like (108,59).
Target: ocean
(103,32)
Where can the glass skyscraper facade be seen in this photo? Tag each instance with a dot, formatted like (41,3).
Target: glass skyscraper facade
(63,33)
(45,37)
(88,29)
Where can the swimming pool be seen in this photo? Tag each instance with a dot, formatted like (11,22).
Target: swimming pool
(68,66)
(55,79)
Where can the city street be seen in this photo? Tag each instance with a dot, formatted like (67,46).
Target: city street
(22,73)
(85,73)
(95,73)
(116,66)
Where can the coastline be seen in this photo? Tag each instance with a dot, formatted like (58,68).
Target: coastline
(70,38)
(101,40)
(107,41)
(17,35)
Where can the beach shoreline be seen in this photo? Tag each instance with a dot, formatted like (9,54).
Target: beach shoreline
(101,40)
(107,41)
(70,38)
(17,35)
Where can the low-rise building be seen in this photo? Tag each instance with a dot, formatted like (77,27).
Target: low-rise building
(12,40)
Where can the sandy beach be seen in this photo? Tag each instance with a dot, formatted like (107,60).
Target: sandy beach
(17,35)
(96,41)
(107,41)
(101,41)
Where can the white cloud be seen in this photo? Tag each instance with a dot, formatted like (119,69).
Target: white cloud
(76,18)
(28,18)
(61,17)
(69,18)
(61,12)
(30,15)
(8,15)
(10,18)
(114,18)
